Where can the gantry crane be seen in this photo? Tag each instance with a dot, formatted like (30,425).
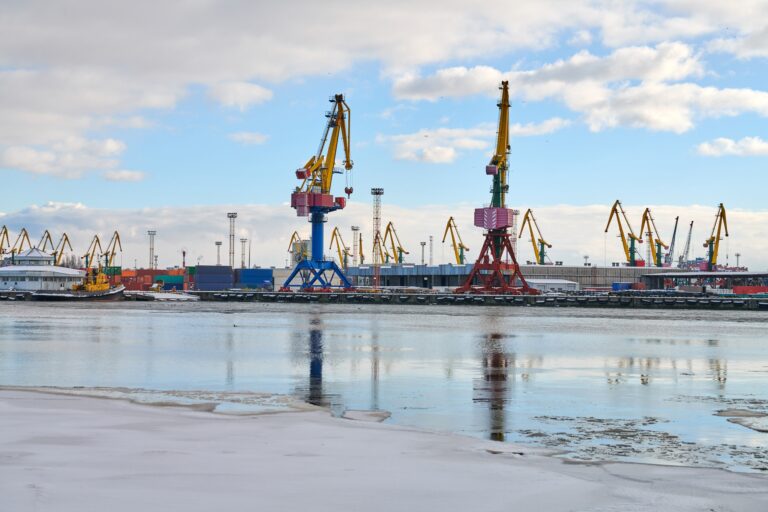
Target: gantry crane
(540,245)
(45,241)
(18,245)
(683,259)
(297,247)
(5,242)
(58,252)
(670,256)
(392,241)
(630,251)
(112,248)
(648,227)
(713,242)
(341,248)
(313,198)
(496,269)
(458,245)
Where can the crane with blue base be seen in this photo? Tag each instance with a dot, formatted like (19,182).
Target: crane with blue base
(313,199)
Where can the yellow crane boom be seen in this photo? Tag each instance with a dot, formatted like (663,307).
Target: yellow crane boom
(713,242)
(628,237)
(319,169)
(380,249)
(648,227)
(537,239)
(390,236)
(45,241)
(91,256)
(458,245)
(498,165)
(297,242)
(341,248)
(23,238)
(112,248)
(360,248)
(5,242)
(58,252)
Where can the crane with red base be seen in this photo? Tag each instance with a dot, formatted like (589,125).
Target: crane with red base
(313,199)
(496,270)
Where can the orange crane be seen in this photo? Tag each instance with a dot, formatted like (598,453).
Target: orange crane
(540,245)
(617,212)
(648,227)
(456,242)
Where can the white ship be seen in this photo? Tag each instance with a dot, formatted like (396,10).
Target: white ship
(34,271)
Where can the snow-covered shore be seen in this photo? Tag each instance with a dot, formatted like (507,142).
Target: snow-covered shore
(75,453)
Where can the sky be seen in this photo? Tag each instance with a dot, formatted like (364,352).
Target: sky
(132,116)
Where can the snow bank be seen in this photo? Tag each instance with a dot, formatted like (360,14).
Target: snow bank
(73,453)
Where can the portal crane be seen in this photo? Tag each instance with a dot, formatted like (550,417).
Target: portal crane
(95,279)
(297,247)
(713,242)
(683,259)
(58,252)
(496,269)
(313,198)
(18,245)
(392,241)
(45,241)
(341,248)
(537,239)
(648,226)
(91,255)
(618,212)
(670,256)
(5,242)
(380,247)
(458,245)
(112,248)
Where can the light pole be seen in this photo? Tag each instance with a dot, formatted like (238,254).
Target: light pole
(423,245)
(218,253)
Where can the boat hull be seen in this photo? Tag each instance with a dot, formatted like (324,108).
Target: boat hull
(113,294)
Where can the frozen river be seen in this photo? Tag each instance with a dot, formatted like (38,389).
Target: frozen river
(680,387)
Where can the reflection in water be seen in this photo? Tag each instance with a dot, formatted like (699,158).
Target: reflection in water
(493,388)
(315,390)
(230,345)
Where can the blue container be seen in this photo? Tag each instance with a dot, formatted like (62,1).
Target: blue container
(620,287)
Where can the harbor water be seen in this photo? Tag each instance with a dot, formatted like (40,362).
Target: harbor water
(671,387)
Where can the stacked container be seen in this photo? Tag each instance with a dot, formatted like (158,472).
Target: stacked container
(261,278)
(213,277)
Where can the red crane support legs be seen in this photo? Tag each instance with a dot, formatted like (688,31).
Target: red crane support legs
(496,270)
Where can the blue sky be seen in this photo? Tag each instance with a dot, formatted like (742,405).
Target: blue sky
(129,107)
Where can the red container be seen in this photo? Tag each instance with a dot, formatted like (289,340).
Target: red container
(341,202)
(493,218)
(639,263)
(749,290)
(638,286)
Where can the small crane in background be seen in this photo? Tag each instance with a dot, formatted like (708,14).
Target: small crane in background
(682,261)
(648,227)
(670,256)
(341,248)
(630,251)
(713,242)
(390,236)
(540,245)
(18,245)
(458,245)
(45,241)
(5,242)
(58,252)
(112,248)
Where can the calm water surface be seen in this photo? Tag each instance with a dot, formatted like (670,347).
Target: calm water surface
(597,384)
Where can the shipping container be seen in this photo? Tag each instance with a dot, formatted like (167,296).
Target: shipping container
(619,287)
(177,280)
(113,271)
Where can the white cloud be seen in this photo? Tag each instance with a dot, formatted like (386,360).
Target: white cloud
(744,47)
(581,38)
(242,95)
(748,146)
(638,87)
(574,231)
(249,138)
(124,175)
(69,158)
(442,145)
